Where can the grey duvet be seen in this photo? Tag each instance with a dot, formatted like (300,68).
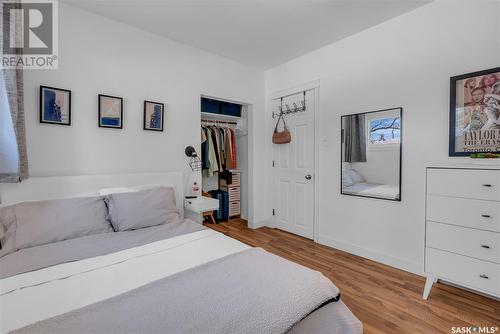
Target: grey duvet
(251,291)
(39,257)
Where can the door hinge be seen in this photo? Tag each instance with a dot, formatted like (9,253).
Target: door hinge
(273,163)
(274,213)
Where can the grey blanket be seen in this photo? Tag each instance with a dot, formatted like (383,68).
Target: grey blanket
(34,258)
(251,291)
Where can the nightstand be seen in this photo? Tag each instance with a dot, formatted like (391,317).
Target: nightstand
(194,207)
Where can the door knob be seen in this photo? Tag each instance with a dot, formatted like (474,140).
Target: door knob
(308,176)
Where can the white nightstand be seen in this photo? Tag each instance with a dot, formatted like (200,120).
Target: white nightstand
(194,207)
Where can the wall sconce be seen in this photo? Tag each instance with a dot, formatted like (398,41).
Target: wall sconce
(194,160)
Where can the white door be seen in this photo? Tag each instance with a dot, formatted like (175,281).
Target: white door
(294,170)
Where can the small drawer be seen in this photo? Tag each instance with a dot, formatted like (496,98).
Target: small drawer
(464,183)
(463,270)
(234,208)
(483,245)
(233,192)
(235,180)
(473,213)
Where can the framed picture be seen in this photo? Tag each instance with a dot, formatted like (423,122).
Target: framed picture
(110,111)
(475,113)
(153,116)
(55,105)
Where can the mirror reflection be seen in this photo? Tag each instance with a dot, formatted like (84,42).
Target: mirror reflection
(371,154)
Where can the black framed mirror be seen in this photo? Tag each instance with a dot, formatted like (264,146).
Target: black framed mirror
(371,148)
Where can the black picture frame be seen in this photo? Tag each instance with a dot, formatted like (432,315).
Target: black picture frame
(99,113)
(400,178)
(452,152)
(42,107)
(162,122)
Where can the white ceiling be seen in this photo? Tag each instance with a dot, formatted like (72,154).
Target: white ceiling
(261,34)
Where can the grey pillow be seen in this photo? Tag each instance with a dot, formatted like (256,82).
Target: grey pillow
(30,224)
(134,210)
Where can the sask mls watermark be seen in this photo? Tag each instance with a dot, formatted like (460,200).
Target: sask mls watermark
(29,34)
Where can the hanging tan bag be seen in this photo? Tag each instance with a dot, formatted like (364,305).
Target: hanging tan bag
(284,136)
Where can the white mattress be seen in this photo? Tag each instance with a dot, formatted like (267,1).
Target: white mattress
(373,190)
(69,286)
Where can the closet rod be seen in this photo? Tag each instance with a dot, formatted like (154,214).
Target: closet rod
(217,121)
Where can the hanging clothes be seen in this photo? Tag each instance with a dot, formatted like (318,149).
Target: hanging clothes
(218,149)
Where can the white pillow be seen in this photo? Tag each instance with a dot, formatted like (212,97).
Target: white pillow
(356,176)
(346,179)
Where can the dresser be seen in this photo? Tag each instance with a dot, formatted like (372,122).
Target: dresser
(233,188)
(462,228)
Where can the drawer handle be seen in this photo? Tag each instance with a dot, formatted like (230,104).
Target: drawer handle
(486,216)
(484,276)
(487,185)
(485,246)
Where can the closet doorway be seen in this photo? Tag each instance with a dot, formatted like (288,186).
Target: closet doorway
(224,155)
(294,165)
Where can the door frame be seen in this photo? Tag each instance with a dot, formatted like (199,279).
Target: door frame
(315,87)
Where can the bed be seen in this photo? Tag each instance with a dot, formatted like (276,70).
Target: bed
(372,190)
(177,277)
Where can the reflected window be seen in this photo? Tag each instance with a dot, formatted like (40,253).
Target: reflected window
(385,131)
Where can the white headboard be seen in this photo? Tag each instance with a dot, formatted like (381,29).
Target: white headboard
(42,188)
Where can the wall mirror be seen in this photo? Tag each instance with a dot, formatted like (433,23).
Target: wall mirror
(371,154)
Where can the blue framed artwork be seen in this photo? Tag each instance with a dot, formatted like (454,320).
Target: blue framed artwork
(55,105)
(110,111)
(153,116)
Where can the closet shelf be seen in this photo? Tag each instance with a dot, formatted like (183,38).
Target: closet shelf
(219,117)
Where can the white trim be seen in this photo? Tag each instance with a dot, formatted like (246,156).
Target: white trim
(374,255)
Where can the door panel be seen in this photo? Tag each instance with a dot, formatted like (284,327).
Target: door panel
(293,162)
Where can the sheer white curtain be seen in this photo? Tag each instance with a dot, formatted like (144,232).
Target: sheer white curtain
(13,155)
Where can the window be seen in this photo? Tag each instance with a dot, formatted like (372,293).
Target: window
(385,131)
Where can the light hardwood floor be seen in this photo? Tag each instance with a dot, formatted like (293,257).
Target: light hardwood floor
(385,299)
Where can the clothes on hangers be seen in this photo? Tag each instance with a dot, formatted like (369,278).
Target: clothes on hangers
(218,151)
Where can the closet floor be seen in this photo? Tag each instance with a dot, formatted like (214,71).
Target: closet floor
(385,299)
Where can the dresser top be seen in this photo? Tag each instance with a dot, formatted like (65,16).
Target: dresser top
(479,164)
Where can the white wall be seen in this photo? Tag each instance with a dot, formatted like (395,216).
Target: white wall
(98,55)
(406,62)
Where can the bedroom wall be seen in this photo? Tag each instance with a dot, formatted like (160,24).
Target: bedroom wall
(98,55)
(406,62)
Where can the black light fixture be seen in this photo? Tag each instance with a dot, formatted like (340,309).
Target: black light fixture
(194,160)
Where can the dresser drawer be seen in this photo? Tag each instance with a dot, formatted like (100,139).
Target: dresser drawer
(235,180)
(480,214)
(483,245)
(234,208)
(464,270)
(466,183)
(233,192)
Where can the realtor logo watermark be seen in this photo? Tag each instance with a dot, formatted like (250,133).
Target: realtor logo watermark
(29,34)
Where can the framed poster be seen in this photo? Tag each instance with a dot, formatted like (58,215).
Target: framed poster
(475,113)
(110,111)
(153,116)
(55,105)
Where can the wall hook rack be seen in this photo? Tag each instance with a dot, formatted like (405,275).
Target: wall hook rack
(286,110)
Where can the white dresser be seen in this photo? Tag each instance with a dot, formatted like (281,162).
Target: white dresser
(462,229)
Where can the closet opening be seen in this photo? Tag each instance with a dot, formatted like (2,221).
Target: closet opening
(224,155)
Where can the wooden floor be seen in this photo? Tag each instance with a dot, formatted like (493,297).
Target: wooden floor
(385,299)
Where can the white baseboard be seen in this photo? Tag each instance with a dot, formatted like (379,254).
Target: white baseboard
(261,223)
(373,255)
